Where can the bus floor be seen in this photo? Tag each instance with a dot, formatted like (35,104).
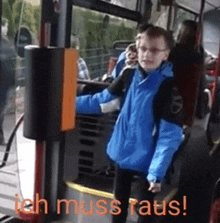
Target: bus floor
(198,174)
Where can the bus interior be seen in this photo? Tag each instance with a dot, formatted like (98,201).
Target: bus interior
(39,157)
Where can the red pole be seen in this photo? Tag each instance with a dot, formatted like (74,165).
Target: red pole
(39,179)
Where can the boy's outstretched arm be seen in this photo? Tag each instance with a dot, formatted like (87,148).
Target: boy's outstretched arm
(168,110)
(97,103)
(106,101)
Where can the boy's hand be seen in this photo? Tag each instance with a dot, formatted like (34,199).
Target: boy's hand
(130,62)
(131,58)
(155,187)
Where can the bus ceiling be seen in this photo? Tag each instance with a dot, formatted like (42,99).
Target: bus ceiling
(106,7)
(195,6)
(141,9)
(144,7)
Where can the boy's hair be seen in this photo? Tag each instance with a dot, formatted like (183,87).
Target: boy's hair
(142,27)
(131,47)
(156,31)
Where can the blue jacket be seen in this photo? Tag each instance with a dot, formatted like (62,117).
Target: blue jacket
(147,131)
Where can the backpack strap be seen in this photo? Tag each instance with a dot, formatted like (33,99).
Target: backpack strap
(121,85)
(130,75)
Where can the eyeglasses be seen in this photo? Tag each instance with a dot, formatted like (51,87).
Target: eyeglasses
(153,50)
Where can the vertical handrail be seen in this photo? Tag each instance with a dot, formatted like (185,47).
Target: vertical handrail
(169,17)
(10,140)
(199,28)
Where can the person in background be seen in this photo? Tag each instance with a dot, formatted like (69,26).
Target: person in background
(124,56)
(83,72)
(7,79)
(82,69)
(131,55)
(188,63)
(3,97)
(148,130)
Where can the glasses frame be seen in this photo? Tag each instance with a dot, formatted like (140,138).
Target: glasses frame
(154,50)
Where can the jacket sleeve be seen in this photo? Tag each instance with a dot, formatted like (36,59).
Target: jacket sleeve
(109,100)
(168,112)
(98,103)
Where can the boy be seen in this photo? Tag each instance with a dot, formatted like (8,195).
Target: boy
(148,129)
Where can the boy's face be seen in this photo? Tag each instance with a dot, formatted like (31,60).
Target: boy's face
(137,41)
(151,52)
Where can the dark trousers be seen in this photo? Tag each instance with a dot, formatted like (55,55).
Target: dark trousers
(122,190)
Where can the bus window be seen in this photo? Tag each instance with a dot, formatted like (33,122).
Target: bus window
(7,74)
(19,28)
(181,16)
(97,32)
(26,26)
